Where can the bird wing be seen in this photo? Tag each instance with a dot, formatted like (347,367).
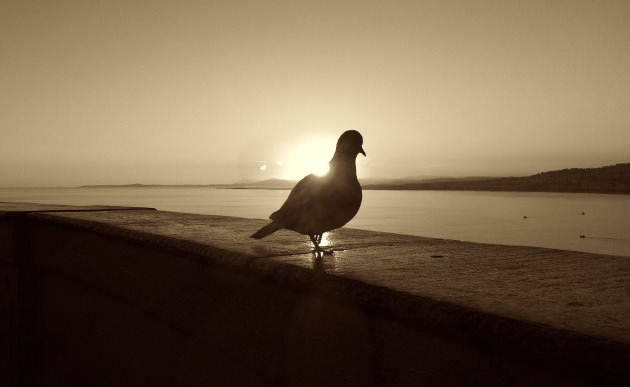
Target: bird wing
(302,197)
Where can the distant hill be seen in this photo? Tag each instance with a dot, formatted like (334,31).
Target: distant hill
(365,182)
(413,180)
(614,179)
(138,185)
(609,179)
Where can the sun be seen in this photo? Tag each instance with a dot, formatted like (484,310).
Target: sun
(309,155)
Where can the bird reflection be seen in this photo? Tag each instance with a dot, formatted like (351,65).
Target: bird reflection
(318,262)
(318,204)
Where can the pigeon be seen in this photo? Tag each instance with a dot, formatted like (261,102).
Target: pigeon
(318,204)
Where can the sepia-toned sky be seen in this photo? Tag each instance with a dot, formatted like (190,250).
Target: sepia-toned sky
(175,92)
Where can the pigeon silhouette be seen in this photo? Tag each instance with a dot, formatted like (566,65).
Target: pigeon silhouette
(318,204)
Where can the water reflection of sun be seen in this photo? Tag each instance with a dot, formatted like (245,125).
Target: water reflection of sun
(308,156)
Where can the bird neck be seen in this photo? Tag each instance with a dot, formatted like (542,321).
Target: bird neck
(343,164)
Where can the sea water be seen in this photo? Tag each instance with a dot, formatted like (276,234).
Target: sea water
(596,223)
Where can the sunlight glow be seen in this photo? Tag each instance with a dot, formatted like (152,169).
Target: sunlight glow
(308,156)
(318,165)
(327,240)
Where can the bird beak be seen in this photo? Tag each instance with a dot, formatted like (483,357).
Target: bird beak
(362,151)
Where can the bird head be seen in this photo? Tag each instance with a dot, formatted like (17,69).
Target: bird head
(350,143)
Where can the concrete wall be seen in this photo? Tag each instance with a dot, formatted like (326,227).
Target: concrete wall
(85,306)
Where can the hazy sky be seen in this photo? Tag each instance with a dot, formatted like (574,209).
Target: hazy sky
(170,92)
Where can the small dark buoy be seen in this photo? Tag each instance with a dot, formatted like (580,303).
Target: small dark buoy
(583,213)
(524,216)
(582,236)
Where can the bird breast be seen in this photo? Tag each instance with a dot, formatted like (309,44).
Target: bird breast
(340,203)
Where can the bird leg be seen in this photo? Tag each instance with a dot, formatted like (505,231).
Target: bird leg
(317,239)
(315,243)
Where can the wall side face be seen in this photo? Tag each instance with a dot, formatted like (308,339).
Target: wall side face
(107,312)
(6,241)
(8,304)
(147,317)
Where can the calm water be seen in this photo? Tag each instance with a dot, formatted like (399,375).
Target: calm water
(553,220)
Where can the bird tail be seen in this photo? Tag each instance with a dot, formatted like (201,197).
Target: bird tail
(266,230)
